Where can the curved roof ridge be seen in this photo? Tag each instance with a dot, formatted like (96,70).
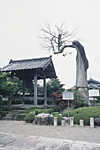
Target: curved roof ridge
(31,59)
(94,81)
(42,65)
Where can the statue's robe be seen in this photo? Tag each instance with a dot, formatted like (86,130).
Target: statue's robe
(81,70)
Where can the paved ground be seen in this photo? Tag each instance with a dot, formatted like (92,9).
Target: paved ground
(20,128)
(19,142)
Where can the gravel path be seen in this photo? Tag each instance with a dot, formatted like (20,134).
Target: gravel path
(75,133)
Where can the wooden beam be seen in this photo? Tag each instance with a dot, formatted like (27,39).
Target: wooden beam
(35,89)
(45,92)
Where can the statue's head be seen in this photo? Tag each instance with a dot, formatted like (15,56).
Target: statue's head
(80,48)
(76,43)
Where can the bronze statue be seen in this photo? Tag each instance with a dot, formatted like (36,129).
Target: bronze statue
(58,42)
(81,70)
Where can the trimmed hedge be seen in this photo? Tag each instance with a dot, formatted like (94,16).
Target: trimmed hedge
(20,117)
(29,114)
(47,110)
(39,111)
(29,117)
(26,111)
(84,113)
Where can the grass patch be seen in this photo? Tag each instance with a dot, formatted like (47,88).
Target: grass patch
(84,113)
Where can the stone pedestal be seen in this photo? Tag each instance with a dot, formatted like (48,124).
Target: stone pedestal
(71,121)
(81,123)
(67,120)
(92,122)
(63,122)
(55,121)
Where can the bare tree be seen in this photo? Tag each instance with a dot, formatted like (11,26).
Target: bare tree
(58,40)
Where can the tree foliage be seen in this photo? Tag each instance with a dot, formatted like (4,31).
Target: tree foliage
(9,86)
(79,100)
(54,85)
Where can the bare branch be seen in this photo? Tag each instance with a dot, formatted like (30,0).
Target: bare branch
(58,39)
(49,32)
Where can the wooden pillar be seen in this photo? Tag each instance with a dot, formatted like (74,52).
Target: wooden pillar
(45,92)
(35,89)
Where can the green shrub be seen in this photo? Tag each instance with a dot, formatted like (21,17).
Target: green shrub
(0,102)
(4,108)
(3,113)
(55,109)
(79,100)
(50,110)
(38,110)
(84,113)
(27,111)
(59,117)
(24,113)
(4,102)
(29,117)
(20,116)
(41,110)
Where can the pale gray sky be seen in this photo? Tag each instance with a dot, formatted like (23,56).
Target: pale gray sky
(22,20)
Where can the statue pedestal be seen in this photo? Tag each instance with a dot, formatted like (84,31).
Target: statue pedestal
(83,92)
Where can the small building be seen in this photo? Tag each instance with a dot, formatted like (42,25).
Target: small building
(32,69)
(93,84)
(93,87)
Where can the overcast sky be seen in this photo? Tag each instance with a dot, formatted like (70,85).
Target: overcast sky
(20,26)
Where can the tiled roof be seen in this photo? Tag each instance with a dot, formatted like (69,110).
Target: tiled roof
(27,64)
(93,81)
